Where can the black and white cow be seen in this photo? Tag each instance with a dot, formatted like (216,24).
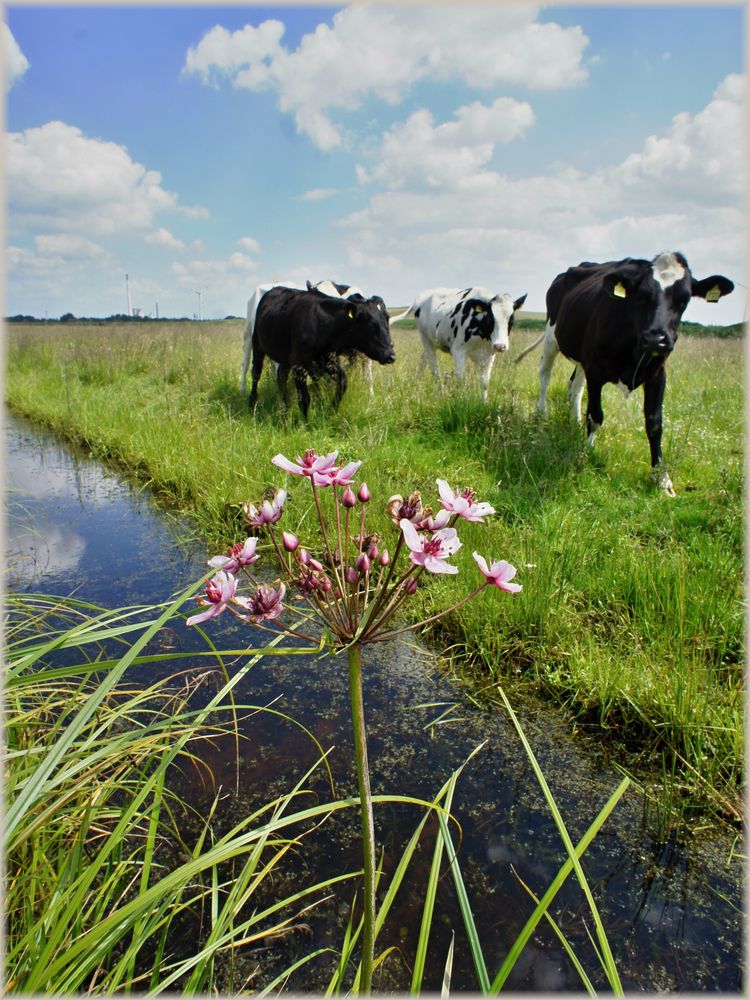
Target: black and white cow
(326,287)
(306,332)
(467,323)
(618,322)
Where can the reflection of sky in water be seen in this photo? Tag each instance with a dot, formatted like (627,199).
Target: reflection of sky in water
(72,526)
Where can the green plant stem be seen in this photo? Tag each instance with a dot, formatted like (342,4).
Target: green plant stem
(368,827)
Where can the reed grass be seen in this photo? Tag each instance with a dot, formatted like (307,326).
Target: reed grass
(109,886)
(632,612)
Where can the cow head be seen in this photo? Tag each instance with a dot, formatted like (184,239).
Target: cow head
(652,296)
(368,330)
(499,320)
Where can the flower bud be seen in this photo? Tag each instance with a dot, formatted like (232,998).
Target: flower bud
(363,494)
(325,584)
(351,575)
(315,564)
(363,563)
(373,551)
(411,586)
(348,498)
(291,542)
(384,558)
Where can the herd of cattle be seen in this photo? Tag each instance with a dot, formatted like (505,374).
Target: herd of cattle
(616,321)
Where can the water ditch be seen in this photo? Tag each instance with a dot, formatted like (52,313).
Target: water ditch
(672,910)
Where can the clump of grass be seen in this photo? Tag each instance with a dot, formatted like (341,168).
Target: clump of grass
(632,610)
(105,892)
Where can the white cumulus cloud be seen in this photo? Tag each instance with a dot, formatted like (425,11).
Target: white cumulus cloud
(448,153)
(381,51)
(249,243)
(16,62)
(680,191)
(59,178)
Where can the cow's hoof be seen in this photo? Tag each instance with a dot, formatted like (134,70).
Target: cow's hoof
(664,482)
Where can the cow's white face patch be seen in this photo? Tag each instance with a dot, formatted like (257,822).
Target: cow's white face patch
(667,270)
(502,310)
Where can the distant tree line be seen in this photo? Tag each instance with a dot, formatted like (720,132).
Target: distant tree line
(536,325)
(115,318)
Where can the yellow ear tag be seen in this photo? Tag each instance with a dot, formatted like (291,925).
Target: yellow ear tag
(619,290)
(713,294)
(350,314)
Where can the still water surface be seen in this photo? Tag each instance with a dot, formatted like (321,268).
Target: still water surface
(673,911)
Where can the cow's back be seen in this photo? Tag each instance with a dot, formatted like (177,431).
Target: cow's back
(433,311)
(280,312)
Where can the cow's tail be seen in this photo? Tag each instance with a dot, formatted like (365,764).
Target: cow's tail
(400,316)
(530,348)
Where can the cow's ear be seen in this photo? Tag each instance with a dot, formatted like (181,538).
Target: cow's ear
(711,289)
(519,302)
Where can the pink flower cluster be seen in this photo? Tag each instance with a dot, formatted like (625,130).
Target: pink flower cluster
(353,587)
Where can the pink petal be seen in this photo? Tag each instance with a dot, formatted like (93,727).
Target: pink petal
(411,537)
(286,465)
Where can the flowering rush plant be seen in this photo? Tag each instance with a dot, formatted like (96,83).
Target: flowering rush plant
(353,587)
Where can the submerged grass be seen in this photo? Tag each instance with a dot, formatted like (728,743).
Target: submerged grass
(631,612)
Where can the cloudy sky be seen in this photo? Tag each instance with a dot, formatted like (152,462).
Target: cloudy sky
(395,147)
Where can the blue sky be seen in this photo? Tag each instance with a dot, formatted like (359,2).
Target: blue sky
(394,147)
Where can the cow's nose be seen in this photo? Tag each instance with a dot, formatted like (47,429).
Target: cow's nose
(658,342)
(501,348)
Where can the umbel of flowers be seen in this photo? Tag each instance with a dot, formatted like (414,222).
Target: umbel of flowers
(349,585)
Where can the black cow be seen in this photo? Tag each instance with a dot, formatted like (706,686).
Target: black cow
(618,322)
(306,332)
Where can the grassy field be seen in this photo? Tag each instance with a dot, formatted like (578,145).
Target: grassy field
(632,611)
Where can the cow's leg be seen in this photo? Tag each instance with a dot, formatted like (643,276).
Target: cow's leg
(247,346)
(339,375)
(282,376)
(550,350)
(484,376)
(429,357)
(594,412)
(575,392)
(459,360)
(258,359)
(303,393)
(653,399)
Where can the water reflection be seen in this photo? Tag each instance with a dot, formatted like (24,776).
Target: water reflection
(673,912)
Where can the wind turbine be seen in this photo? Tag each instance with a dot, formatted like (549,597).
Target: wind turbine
(200,302)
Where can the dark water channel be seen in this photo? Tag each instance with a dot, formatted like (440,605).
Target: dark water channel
(673,911)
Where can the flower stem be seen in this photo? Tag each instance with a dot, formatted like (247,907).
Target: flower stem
(368,828)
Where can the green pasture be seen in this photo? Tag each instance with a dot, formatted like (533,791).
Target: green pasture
(631,613)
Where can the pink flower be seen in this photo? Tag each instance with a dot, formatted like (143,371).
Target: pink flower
(411,508)
(269,512)
(343,477)
(464,503)
(239,555)
(291,542)
(430,523)
(499,574)
(266,604)
(431,552)
(319,468)
(220,590)
(348,498)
